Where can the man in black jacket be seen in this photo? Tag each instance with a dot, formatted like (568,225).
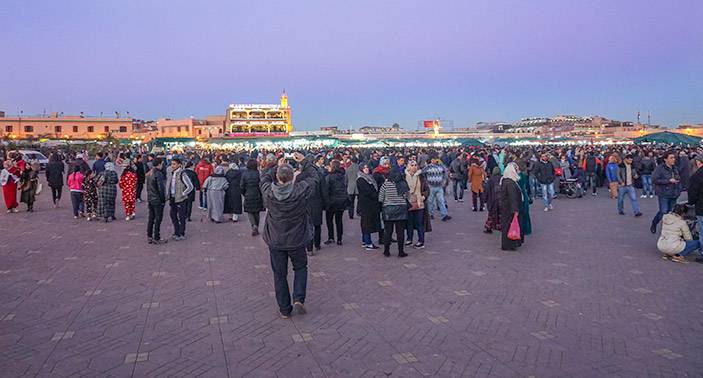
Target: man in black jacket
(156,198)
(288,230)
(667,187)
(544,171)
(190,171)
(695,194)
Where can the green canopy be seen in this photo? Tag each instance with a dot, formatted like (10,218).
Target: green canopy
(667,137)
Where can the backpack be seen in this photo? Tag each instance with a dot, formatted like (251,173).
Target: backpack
(591,164)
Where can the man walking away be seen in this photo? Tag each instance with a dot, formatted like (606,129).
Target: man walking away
(287,230)
(626,176)
(591,168)
(351,172)
(666,180)
(647,165)
(156,199)
(177,190)
(459,171)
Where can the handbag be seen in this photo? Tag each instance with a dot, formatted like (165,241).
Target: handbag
(393,213)
(38,189)
(514,230)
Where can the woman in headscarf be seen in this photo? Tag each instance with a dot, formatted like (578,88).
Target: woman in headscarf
(525,222)
(369,207)
(233,196)
(336,200)
(54,176)
(493,196)
(477,175)
(9,178)
(107,192)
(214,187)
(253,202)
(418,218)
(90,195)
(380,174)
(511,205)
(394,195)
(128,184)
(28,184)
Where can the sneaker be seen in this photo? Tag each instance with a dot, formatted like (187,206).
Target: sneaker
(75,217)
(371,247)
(149,241)
(126,219)
(699,260)
(160,241)
(328,242)
(651,196)
(546,209)
(461,200)
(432,217)
(621,212)
(594,194)
(180,238)
(665,256)
(446,218)
(88,219)
(339,242)
(9,211)
(132,216)
(300,308)
(643,196)
(174,236)
(284,316)
(419,245)
(679,259)
(638,214)
(551,207)
(14,210)
(409,242)
(254,232)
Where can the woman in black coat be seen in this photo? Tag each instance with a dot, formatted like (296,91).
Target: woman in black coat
(316,205)
(233,195)
(337,201)
(510,204)
(54,175)
(253,202)
(369,207)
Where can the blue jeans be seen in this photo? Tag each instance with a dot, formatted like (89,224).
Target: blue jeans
(691,245)
(178,216)
(647,185)
(534,186)
(438,193)
(279,265)
(203,199)
(700,226)
(630,191)
(366,239)
(547,193)
(415,222)
(665,207)
(458,189)
(77,202)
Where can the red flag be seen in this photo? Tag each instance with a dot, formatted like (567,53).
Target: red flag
(429,124)
(591,141)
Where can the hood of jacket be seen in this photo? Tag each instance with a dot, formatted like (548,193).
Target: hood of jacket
(282,191)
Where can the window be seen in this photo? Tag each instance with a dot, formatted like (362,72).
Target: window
(91,129)
(178,129)
(123,129)
(107,129)
(220,131)
(75,129)
(28,129)
(8,128)
(200,132)
(57,129)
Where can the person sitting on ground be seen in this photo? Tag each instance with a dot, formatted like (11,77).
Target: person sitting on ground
(676,241)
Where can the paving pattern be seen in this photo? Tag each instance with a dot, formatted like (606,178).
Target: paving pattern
(587,295)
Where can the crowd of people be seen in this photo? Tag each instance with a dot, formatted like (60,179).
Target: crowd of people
(395,193)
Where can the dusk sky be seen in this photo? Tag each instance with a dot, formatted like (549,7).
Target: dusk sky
(356,62)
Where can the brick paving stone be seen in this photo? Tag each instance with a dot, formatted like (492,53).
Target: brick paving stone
(552,308)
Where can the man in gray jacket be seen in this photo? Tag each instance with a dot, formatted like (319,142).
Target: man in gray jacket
(627,175)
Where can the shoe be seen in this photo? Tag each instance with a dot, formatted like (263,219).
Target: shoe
(300,308)
(699,260)
(643,196)
(254,232)
(474,209)
(651,196)
(310,253)
(409,242)
(402,254)
(329,241)
(653,229)
(419,245)
(432,217)
(9,211)
(461,200)
(665,256)
(317,248)
(638,214)
(487,231)
(113,218)
(132,216)
(75,217)
(482,209)
(160,241)
(546,209)
(679,259)
(149,241)
(339,242)
(188,219)
(371,247)
(594,194)
(174,236)
(14,210)
(551,207)
(107,220)
(446,218)
(126,219)
(387,254)
(284,316)
(621,212)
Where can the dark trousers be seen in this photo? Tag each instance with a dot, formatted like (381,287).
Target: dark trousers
(153,224)
(332,218)
(458,189)
(254,220)
(203,199)
(178,217)
(416,222)
(77,202)
(591,180)
(189,207)
(279,265)
(476,197)
(56,194)
(352,201)
(316,238)
(140,187)
(400,235)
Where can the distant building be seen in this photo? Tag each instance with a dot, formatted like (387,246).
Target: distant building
(259,118)
(494,127)
(210,127)
(57,126)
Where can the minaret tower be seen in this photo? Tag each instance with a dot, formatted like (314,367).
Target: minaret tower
(286,109)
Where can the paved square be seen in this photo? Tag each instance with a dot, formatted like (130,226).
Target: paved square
(100,301)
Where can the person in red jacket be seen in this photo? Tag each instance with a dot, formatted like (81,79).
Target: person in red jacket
(204,169)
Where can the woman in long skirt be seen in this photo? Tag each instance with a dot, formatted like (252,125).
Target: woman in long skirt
(215,186)
(90,195)
(9,178)
(511,205)
(107,192)
(493,198)
(28,184)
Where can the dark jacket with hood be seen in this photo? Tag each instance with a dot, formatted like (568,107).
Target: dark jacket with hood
(54,173)
(316,204)
(337,198)
(233,195)
(155,187)
(288,225)
(253,202)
